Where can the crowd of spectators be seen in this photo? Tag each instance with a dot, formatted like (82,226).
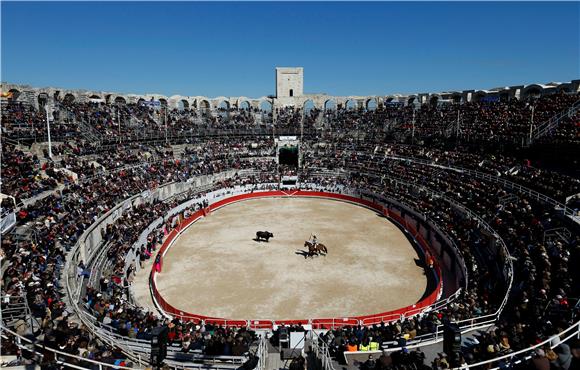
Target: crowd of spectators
(478,121)
(542,279)
(94,178)
(58,220)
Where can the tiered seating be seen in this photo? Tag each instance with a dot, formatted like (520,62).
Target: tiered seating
(463,192)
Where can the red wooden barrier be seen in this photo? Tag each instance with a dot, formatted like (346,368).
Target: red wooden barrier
(317,323)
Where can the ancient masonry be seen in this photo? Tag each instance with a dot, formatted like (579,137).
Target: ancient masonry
(289,92)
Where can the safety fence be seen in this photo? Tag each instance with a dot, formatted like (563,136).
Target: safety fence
(37,351)
(333,322)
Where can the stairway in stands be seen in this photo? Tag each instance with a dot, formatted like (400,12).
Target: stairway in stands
(552,124)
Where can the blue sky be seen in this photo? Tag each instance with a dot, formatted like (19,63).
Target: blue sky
(232,49)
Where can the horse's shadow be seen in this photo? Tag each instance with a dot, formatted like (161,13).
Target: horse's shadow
(260,240)
(302,252)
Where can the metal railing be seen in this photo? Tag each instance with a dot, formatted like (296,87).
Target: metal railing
(262,353)
(134,349)
(62,358)
(525,354)
(469,324)
(547,127)
(321,351)
(491,178)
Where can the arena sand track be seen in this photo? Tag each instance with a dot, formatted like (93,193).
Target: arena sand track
(215,268)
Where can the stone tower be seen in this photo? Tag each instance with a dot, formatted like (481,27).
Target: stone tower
(289,82)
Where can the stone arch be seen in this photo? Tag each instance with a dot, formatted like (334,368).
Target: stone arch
(15,94)
(566,88)
(244,105)
(266,105)
(371,104)
(120,100)
(68,98)
(42,99)
(411,99)
(434,100)
(243,101)
(532,91)
(456,97)
(351,104)
(204,105)
(182,105)
(330,104)
(163,102)
(389,99)
(193,104)
(308,105)
(94,98)
(223,104)
(479,95)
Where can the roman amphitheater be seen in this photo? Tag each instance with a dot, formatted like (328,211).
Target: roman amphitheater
(149,231)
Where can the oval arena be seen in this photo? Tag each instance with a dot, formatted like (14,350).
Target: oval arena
(367,270)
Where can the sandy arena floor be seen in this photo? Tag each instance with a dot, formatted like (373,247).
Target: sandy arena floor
(215,268)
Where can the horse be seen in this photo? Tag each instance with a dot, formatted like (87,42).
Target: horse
(312,250)
(315,249)
(265,235)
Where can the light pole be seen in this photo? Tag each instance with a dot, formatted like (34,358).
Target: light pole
(118,123)
(532,121)
(48,132)
(165,113)
(271,97)
(413,132)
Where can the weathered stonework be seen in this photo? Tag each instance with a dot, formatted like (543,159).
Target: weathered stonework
(289,78)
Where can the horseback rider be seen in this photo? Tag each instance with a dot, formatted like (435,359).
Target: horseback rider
(313,239)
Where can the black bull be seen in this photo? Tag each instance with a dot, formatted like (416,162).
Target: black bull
(265,235)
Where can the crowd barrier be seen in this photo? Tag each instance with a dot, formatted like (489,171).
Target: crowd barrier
(419,307)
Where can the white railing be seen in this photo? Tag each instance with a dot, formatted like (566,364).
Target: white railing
(64,358)
(7,221)
(89,246)
(494,179)
(553,122)
(262,353)
(320,348)
(508,266)
(525,354)
(465,325)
